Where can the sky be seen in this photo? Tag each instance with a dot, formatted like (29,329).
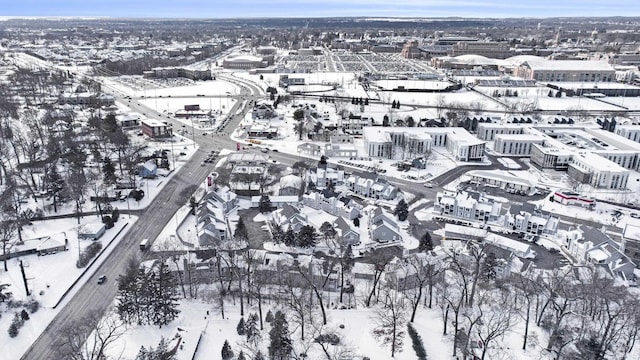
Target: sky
(315,8)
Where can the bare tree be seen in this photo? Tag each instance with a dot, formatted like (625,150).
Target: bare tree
(496,318)
(89,337)
(390,319)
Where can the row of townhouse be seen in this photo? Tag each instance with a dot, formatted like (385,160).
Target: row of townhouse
(372,186)
(341,206)
(474,207)
(212,217)
(381,226)
(467,206)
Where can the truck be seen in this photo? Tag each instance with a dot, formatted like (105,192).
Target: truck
(143,244)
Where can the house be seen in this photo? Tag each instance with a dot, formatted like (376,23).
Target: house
(528,219)
(588,245)
(211,226)
(346,233)
(92,231)
(383,227)
(322,176)
(290,185)
(50,245)
(212,216)
(469,206)
(289,217)
(223,195)
(148,170)
(263,110)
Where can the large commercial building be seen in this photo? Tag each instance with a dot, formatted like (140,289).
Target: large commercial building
(247,62)
(540,69)
(494,50)
(175,72)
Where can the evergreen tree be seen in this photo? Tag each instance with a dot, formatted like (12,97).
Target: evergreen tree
(128,297)
(426,244)
(269,317)
(165,304)
(280,345)
(251,329)
(109,171)
(402,210)
(240,327)
(306,237)
(161,352)
(489,267)
(54,185)
(397,104)
(227,353)
(277,234)
(356,222)
(289,237)
(241,233)
(241,356)
(265,204)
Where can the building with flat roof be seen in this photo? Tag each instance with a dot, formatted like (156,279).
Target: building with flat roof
(245,62)
(487,131)
(589,168)
(516,144)
(546,156)
(630,132)
(490,49)
(409,142)
(154,128)
(540,69)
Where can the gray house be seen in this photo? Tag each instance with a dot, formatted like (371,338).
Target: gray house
(347,234)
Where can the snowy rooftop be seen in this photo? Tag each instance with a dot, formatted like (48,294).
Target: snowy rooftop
(520,137)
(631,232)
(568,65)
(597,162)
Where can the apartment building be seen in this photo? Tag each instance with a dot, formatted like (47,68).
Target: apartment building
(589,168)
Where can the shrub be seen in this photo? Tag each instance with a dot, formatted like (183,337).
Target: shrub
(418,346)
(24,315)
(108,221)
(13,330)
(33,306)
(269,317)
(89,253)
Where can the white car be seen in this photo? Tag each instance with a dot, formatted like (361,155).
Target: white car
(428,185)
